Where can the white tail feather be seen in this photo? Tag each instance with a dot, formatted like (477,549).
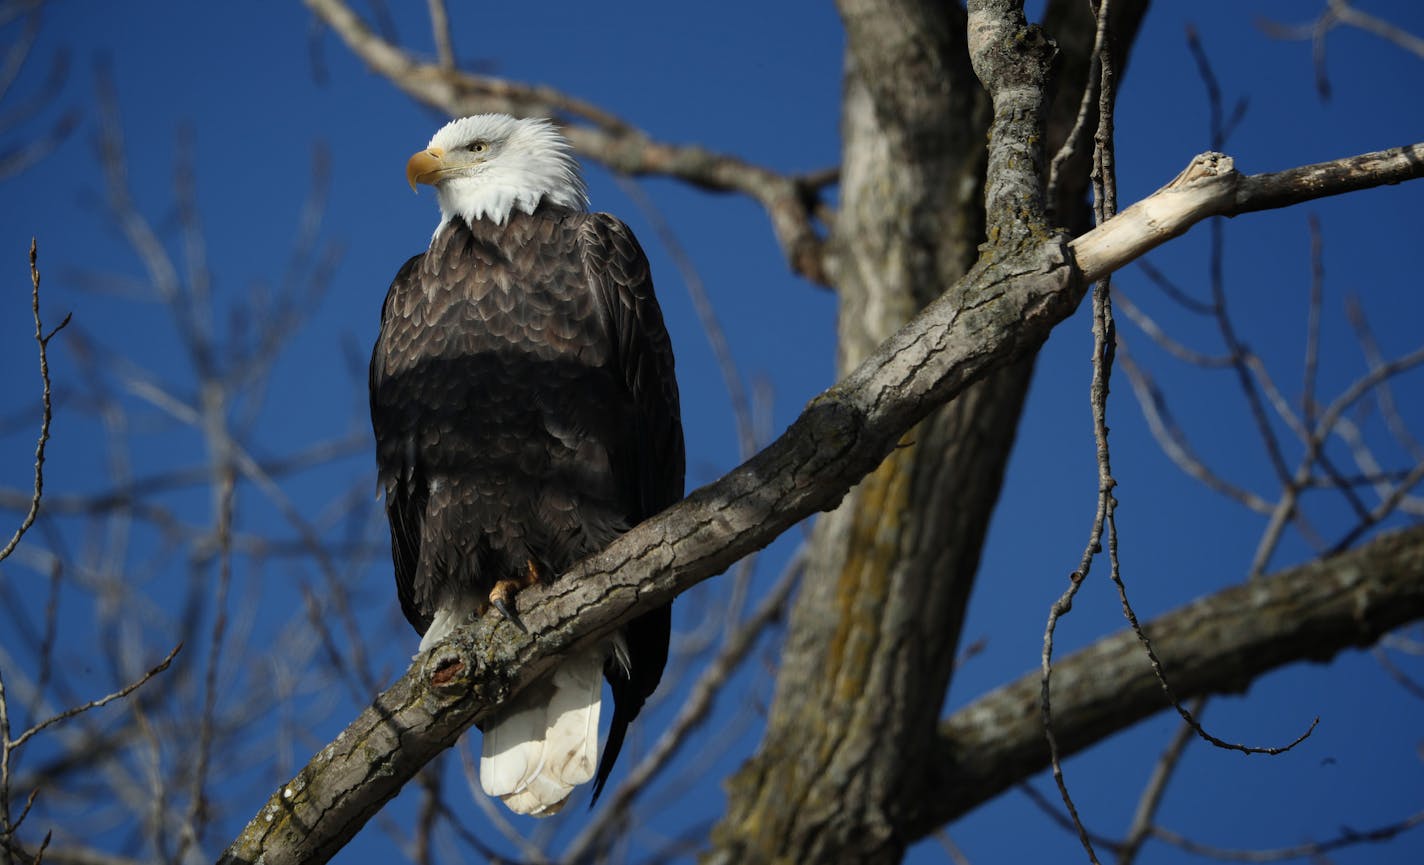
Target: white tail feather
(546,743)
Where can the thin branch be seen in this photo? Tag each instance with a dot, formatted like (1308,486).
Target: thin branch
(1104,345)
(1315,443)
(1384,394)
(75,855)
(1370,473)
(440,30)
(1339,12)
(617,144)
(473,840)
(497,816)
(1347,838)
(951,849)
(1163,340)
(1217,644)
(1383,509)
(1091,89)
(1062,819)
(1173,291)
(95,704)
(130,493)
(197,816)
(1312,321)
(1347,14)
(1173,440)
(1144,818)
(42,339)
(1159,672)
(1401,678)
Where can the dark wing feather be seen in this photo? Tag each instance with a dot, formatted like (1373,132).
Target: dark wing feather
(619,274)
(404,492)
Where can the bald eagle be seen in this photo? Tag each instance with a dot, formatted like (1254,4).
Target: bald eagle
(526,414)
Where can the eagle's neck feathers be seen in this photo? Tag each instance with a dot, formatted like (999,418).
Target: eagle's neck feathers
(528,163)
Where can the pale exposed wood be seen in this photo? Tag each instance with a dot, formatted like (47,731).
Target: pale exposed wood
(1211,186)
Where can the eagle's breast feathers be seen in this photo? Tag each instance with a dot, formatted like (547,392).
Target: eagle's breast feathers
(526,414)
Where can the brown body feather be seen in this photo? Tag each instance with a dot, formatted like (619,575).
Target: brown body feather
(525,409)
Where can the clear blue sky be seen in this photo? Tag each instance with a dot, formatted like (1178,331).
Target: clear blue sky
(762,80)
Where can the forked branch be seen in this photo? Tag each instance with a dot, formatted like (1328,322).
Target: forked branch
(791,201)
(46,411)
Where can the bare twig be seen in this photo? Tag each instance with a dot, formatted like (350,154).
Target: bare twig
(197,816)
(1312,321)
(1315,443)
(8,746)
(1062,819)
(1371,473)
(1347,838)
(1347,14)
(1167,689)
(1172,439)
(1091,90)
(15,158)
(1217,279)
(42,339)
(597,134)
(99,703)
(1382,510)
(1174,291)
(1163,340)
(951,849)
(1338,12)
(1144,818)
(440,30)
(1403,679)
(1383,393)
(75,854)
(1104,345)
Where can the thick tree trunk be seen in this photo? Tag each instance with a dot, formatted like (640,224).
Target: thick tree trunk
(874,630)
(876,627)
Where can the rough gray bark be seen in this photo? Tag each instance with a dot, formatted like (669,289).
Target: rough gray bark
(879,609)
(1216,644)
(875,630)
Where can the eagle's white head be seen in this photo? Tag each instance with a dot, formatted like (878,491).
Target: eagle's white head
(485,166)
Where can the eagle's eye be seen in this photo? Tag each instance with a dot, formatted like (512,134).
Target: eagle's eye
(477,146)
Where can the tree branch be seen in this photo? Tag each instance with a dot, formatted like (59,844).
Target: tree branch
(789,201)
(1002,309)
(46,415)
(1215,645)
(1211,186)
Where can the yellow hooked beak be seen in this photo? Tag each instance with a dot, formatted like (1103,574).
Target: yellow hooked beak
(425,167)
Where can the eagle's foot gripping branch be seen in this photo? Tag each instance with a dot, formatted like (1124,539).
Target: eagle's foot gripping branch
(501,597)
